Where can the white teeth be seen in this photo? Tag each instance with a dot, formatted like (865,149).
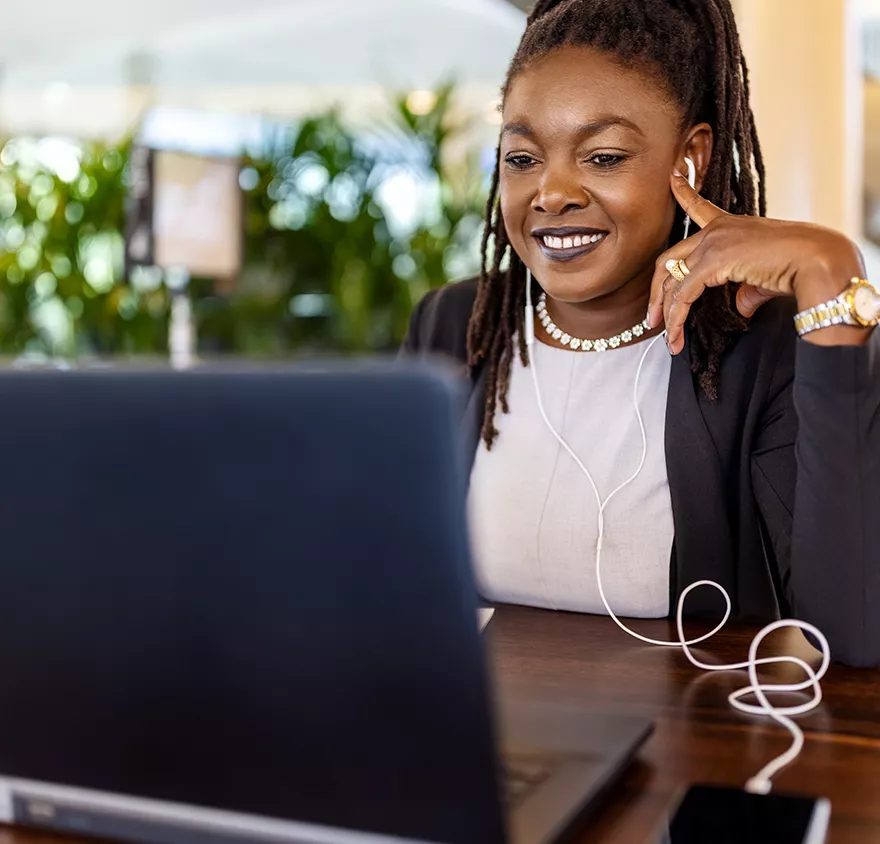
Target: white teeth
(571,242)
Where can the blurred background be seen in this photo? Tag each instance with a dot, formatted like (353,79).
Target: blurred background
(192,178)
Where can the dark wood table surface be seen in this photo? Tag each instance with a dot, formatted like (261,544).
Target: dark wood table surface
(588,662)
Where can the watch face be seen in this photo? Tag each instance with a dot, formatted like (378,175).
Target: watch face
(866,303)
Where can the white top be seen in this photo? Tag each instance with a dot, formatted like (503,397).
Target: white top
(533,513)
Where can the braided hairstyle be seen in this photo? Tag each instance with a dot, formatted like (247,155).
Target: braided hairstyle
(694,46)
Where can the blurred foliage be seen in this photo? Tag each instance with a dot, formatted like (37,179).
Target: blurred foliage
(344,230)
(61,254)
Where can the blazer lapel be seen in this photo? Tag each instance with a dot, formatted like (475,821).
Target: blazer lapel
(703,548)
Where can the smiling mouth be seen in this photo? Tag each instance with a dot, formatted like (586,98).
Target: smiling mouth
(568,244)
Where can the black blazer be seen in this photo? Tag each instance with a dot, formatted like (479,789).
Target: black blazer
(775,486)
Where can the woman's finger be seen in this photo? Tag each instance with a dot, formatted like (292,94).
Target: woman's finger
(677,301)
(749,299)
(708,267)
(700,210)
(681,251)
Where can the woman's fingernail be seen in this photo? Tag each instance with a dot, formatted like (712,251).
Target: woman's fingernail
(648,319)
(678,172)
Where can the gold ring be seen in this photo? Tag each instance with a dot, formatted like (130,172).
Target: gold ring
(678,269)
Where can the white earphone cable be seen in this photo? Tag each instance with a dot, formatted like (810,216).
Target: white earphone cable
(692,180)
(761,782)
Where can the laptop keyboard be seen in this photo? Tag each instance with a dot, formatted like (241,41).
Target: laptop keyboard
(521,775)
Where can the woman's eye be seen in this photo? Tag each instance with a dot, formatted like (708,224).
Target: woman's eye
(606,159)
(520,161)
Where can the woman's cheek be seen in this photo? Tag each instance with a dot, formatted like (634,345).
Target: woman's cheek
(513,222)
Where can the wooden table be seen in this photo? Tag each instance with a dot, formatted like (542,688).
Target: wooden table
(586,661)
(589,662)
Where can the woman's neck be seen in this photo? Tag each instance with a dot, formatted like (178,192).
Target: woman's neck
(602,317)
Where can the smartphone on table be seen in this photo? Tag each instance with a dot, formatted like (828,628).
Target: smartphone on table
(715,815)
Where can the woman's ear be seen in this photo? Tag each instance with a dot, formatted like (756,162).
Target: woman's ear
(697,147)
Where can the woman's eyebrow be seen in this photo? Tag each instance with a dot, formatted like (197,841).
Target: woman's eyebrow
(585,130)
(523,130)
(594,127)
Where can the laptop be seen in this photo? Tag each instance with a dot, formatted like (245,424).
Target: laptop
(240,607)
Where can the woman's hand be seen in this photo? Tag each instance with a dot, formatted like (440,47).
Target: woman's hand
(768,257)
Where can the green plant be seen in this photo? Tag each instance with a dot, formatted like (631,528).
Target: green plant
(330,263)
(327,266)
(62,289)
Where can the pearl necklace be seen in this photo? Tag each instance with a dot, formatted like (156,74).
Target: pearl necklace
(586,345)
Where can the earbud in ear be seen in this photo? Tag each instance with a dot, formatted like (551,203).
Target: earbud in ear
(692,181)
(692,172)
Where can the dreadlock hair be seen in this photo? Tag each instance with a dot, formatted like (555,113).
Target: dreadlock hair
(694,46)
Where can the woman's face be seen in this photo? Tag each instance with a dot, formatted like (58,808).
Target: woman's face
(587,150)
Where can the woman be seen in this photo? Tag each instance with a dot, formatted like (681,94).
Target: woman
(762,461)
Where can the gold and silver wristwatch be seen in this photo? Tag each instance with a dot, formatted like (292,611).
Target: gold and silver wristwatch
(859,304)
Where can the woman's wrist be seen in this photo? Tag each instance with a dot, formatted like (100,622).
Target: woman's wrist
(824,274)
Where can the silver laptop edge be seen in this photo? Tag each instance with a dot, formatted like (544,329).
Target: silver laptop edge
(76,810)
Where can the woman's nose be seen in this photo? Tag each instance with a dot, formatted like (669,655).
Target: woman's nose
(560,191)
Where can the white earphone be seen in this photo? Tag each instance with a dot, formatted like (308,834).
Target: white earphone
(762,782)
(692,181)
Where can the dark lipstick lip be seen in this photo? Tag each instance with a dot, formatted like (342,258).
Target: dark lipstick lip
(566,231)
(563,256)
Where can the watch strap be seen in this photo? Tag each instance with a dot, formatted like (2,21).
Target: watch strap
(835,312)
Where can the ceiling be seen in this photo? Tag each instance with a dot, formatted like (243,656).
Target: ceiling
(260,42)
(80,66)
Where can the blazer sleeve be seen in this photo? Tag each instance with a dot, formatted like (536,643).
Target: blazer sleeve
(412,342)
(438,325)
(822,520)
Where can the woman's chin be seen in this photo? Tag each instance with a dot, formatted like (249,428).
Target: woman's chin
(575,287)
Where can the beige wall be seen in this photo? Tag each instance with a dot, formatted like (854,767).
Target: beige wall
(872,147)
(807,96)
